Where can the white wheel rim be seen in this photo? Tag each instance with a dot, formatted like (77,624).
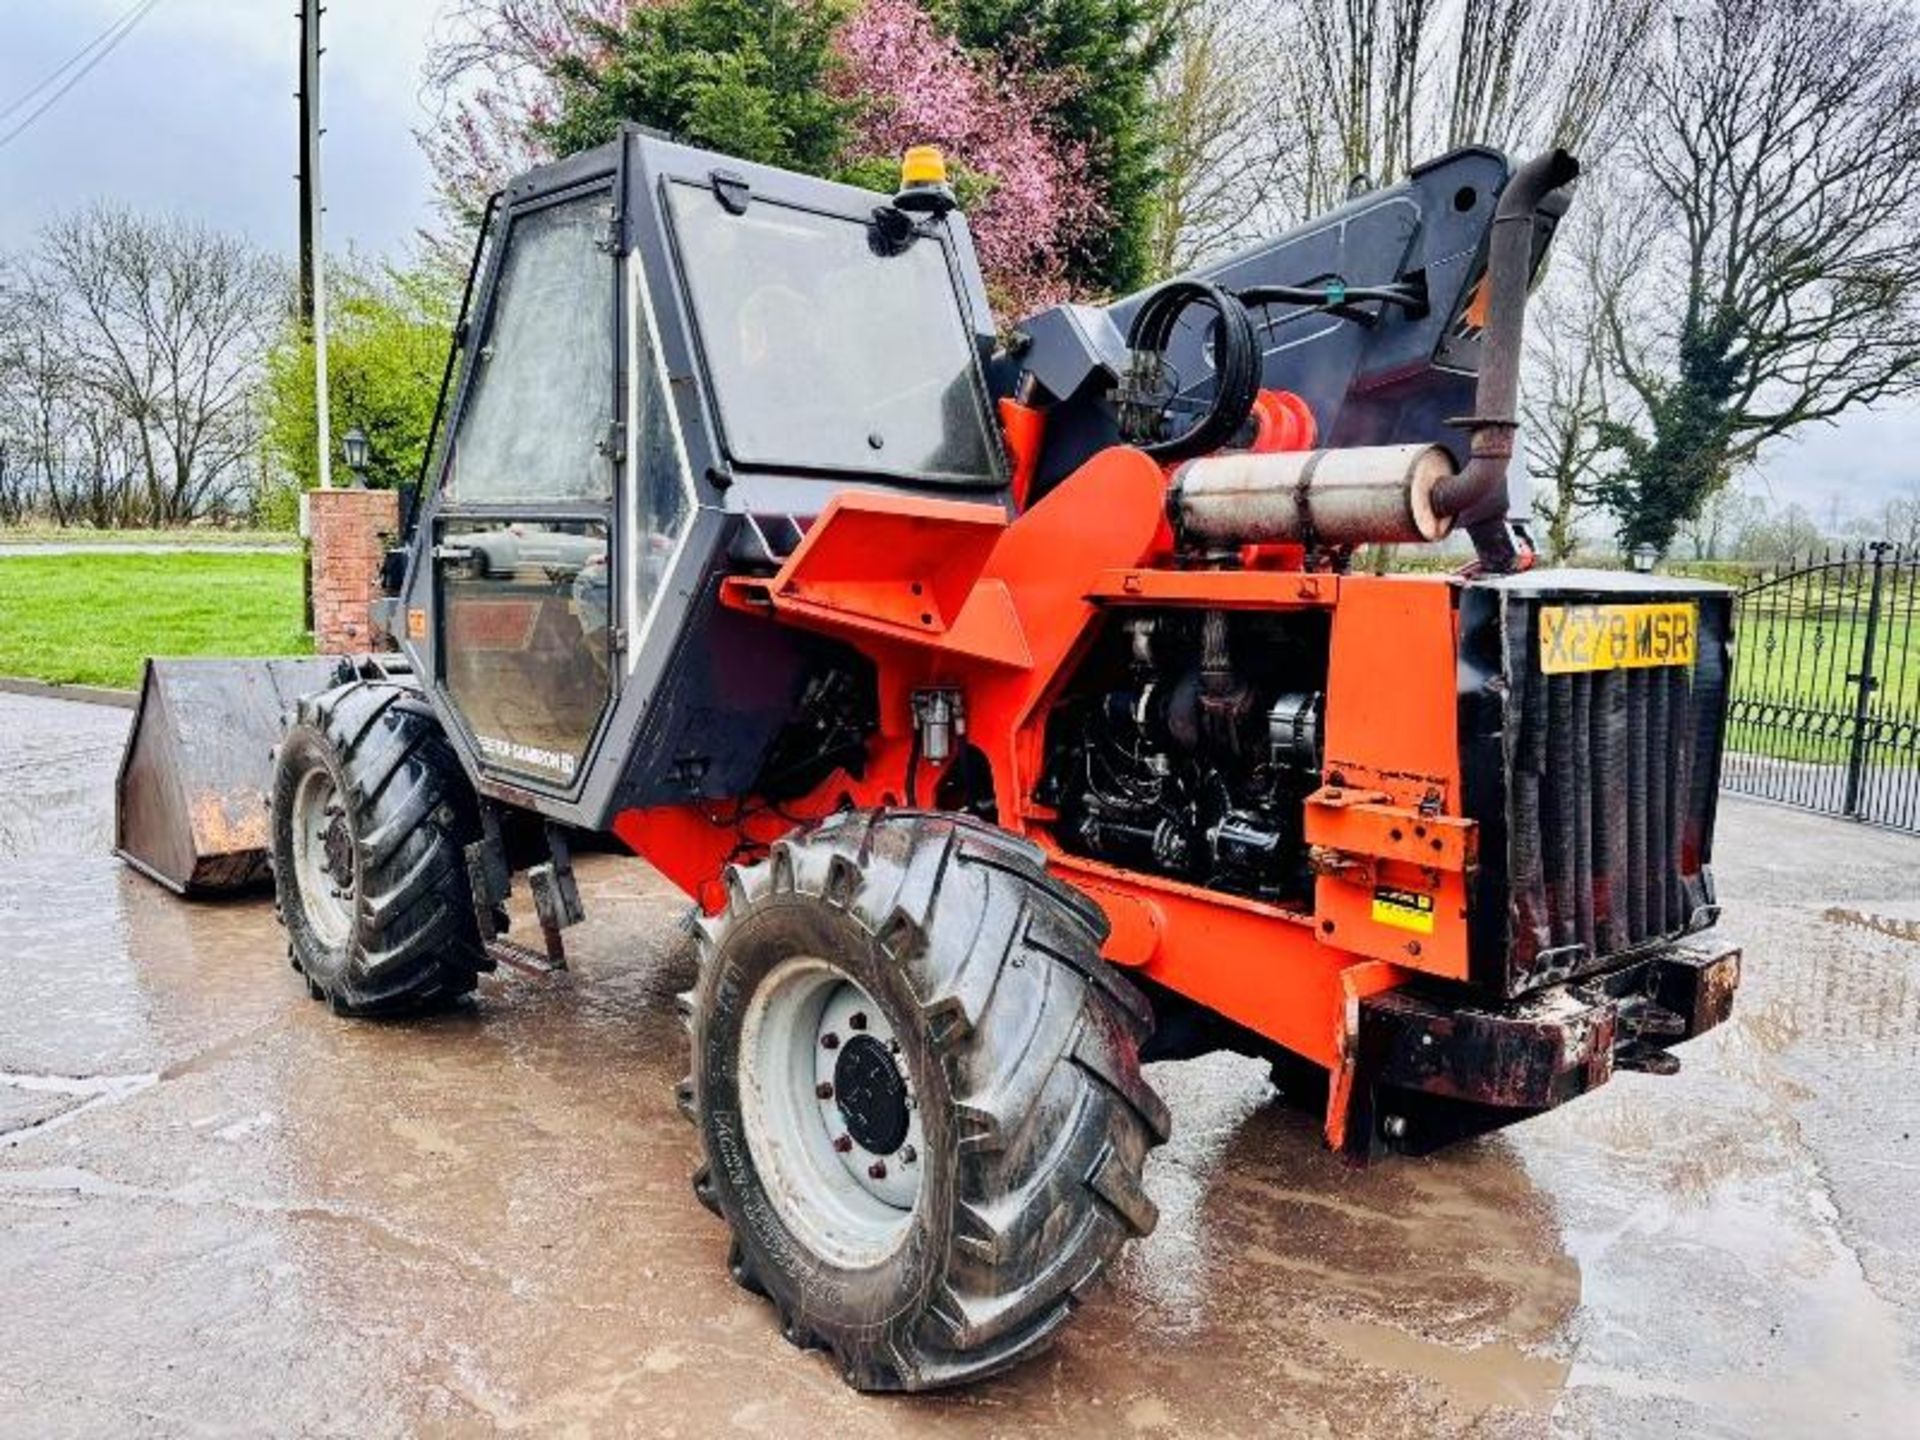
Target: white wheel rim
(323,857)
(822,1089)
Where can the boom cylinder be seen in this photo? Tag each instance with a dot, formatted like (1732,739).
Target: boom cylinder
(1364,495)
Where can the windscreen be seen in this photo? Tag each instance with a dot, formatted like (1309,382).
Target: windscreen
(826,354)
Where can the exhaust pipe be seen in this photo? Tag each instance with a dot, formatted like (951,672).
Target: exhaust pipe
(1478,496)
(1362,495)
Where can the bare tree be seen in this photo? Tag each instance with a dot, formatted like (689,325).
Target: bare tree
(1226,142)
(16,494)
(1899,519)
(1571,400)
(1725,522)
(1546,72)
(1563,409)
(1350,76)
(39,395)
(489,70)
(1374,85)
(1779,537)
(1780,150)
(165,325)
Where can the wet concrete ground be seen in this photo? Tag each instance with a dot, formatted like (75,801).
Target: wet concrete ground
(224,1211)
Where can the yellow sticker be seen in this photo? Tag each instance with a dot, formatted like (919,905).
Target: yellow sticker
(1403,909)
(1575,638)
(416,624)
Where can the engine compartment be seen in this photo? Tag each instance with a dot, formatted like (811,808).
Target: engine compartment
(1185,745)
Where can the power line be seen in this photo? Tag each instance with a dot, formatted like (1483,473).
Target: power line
(67,64)
(80,65)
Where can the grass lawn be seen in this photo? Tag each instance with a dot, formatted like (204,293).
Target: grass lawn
(1798,660)
(91,619)
(1797,655)
(206,537)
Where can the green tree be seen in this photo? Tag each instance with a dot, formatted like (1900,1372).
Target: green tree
(387,338)
(747,77)
(1105,53)
(1686,451)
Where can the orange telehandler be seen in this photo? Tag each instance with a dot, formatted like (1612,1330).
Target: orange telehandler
(1009,705)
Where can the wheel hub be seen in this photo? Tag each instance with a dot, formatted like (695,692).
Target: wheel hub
(871,1095)
(336,848)
(323,857)
(866,1101)
(830,1111)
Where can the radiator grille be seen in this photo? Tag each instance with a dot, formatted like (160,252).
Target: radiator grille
(1609,782)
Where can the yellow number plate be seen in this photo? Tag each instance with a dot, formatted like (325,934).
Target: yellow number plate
(1574,638)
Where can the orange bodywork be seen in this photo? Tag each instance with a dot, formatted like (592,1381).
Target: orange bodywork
(954,595)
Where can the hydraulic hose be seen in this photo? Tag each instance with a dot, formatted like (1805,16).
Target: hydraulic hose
(1236,361)
(1478,495)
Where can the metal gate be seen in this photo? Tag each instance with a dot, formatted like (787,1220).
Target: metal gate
(1825,708)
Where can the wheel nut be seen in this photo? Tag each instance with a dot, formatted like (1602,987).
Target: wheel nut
(857,1020)
(843,1143)
(830,1041)
(909,1155)
(824,1090)
(878,1170)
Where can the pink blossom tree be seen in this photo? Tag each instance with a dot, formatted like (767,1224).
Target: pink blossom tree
(914,85)
(904,81)
(491,65)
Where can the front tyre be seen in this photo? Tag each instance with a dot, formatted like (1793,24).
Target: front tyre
(371,813)
(918,1093)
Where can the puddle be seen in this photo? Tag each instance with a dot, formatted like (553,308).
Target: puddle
(87,1092)
(484,1218)
(1479,1378)
(56,776)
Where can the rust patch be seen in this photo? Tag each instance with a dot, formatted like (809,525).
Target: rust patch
(1717,986)
(225,824)
(1908,930)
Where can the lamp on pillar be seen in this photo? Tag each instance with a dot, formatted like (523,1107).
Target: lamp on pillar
(355,449)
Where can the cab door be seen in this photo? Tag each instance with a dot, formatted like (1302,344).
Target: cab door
(528,596)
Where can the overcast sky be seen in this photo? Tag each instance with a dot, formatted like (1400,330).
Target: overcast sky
(194,113)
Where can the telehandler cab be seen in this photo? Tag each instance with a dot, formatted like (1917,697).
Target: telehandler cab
(1008,704)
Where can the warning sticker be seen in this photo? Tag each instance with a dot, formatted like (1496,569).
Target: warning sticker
(1404,909)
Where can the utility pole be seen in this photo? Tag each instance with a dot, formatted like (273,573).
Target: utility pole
(313,269)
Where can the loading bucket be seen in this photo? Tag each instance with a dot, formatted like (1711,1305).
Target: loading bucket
(190,807)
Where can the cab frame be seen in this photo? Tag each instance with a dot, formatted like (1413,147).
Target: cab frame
(695,692)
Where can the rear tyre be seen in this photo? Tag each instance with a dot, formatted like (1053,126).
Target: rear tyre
(371,814)
(918,1093)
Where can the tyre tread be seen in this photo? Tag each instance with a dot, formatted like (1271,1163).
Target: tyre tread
(1033,1025)
(416,943)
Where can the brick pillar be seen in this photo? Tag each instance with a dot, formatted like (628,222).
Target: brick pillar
(348,530)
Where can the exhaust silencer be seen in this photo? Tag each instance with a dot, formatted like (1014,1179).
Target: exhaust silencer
(190,805)
(1479,496)
(1366,495)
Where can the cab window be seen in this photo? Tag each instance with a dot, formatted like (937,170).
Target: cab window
(542,379)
